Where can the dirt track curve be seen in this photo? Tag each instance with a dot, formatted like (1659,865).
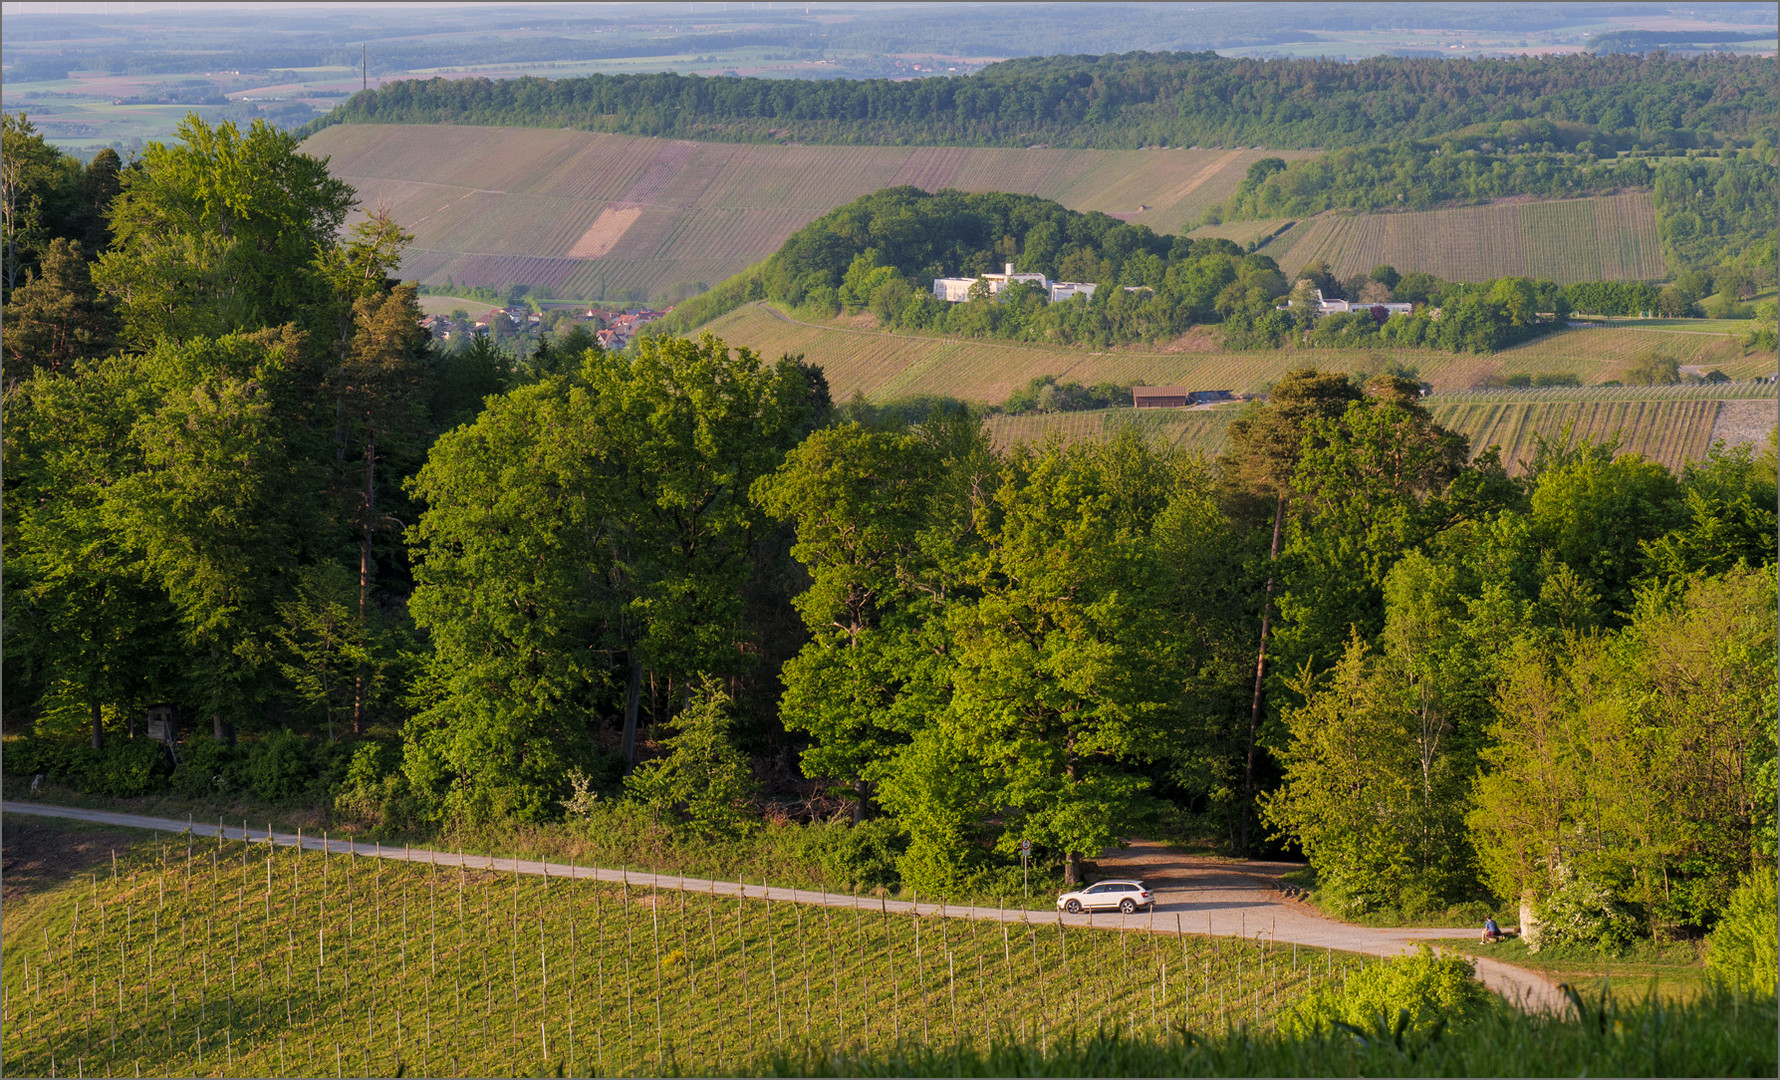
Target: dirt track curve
(1220,898)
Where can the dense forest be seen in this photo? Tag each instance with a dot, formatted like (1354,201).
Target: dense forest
(677,588)
(1137,99)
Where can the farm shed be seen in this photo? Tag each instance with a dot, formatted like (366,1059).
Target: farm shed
(1174,397)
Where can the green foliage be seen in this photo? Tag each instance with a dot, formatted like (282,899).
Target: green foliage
(619,537)
(124,768)
(1717,1036)
(220,234)
(1413,998)
(1132,100)
(1581,913)
(1743,948)
(703,783)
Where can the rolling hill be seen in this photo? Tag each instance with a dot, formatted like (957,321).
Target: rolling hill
(1603,238)
(1669,424)
(624,217)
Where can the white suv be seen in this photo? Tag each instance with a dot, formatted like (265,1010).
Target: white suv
(1126,896)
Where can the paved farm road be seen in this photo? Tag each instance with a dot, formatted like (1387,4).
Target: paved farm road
(1223,898)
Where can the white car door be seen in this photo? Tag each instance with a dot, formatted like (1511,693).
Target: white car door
(1101,898)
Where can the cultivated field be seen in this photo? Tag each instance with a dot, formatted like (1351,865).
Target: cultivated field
(1607,238)
(887,365)
(626,217)
(1672,429)
(1670,424)
(215,957)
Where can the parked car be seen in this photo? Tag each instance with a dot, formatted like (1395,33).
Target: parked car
(1126,896)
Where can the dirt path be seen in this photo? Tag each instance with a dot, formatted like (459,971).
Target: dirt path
(1220,898)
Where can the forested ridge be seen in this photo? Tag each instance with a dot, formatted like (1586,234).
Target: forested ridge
(675,598)
(1133,100)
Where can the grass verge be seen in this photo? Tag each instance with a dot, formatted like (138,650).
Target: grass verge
(1721,1035)
(1673,972)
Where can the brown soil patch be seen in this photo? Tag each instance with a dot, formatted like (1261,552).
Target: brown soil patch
(36,853)
(605,232)
(1199,339)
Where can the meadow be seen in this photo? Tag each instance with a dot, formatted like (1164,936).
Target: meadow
(598,216)
(1607,238)
(176,955)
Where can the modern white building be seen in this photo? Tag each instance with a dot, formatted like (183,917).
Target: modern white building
(1336,307)
(956,290)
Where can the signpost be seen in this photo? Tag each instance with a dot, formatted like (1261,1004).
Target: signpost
(1025,851)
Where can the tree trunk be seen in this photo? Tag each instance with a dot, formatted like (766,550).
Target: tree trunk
(222,731)
(1254,717)
(98,728)
(364,574)
(860,790)
(627,743)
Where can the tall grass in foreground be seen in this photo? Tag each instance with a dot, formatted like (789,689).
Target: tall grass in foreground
(1719,1035)
(192,956)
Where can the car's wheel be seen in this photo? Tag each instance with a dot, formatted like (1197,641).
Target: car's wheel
(1074,907)
(1127,906)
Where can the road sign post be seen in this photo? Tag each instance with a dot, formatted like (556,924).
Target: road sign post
(1025,878)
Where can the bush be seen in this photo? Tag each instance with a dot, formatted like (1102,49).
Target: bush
(126,767)
(1581,913)
(206,767)
(1744,948)
(375,793)
(279,766)
(1406,994)
(703,784)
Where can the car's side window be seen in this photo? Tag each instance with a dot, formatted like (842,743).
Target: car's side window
(1097,889)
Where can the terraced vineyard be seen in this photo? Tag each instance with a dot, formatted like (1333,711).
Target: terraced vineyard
(626,217)
(1607,238)
(887,365)
(1671,429)
(1600,353)
(361,966)
(1197,430)
(884,365)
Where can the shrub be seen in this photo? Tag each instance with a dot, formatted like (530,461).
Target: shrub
(375,792)
(703,784)
(1409,994)
(1744,948)
(1582,913)
(126,767)
(206,767)
(279,766)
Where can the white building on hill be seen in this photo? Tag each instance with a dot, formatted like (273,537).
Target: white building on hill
(1336,307)
(956,290)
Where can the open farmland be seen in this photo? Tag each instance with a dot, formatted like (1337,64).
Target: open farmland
(1673,429)
(888,365)
(1607,238)
(1668,423)
(623,217)
(342,964)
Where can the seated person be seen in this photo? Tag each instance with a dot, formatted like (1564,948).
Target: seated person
(1491,932)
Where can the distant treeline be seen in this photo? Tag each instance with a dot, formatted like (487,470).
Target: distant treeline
(1134,99)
